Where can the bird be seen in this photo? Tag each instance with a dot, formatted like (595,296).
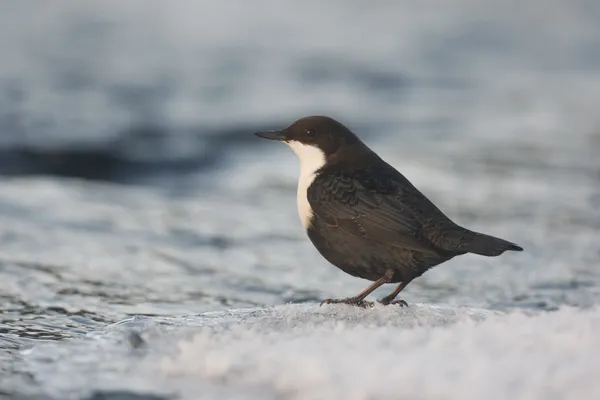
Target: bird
(366,218)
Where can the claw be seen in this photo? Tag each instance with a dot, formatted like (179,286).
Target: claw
(401,303)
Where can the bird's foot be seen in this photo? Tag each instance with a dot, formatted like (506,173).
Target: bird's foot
(386,302)
(353,301)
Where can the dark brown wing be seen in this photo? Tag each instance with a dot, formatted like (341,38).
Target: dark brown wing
(378,203)
(369,207)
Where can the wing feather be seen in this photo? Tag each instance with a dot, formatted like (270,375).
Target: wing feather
(373,210)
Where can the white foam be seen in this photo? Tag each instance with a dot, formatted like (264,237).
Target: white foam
(311,160)
(420,352)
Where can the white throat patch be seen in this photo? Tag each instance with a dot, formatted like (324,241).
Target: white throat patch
(311,160)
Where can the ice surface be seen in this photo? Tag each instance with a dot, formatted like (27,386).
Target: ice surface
(336,351)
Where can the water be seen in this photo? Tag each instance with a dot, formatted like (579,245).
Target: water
(150,246)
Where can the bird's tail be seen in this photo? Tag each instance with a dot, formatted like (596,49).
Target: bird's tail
(490,246)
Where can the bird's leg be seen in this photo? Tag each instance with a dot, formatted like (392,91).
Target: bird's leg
(359,299)
(389,299)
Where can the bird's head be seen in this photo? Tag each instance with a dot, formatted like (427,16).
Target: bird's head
(315,136)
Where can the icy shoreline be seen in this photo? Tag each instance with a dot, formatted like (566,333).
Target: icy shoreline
(311,352)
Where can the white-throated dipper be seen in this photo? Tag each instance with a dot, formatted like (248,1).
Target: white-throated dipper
(365,217)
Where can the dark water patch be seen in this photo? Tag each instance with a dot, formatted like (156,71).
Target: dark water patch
(135,156)
(23,320)
(525,303)
(104,163)
(127,395)
(563,285)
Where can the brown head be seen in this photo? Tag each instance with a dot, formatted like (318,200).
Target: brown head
(317,137)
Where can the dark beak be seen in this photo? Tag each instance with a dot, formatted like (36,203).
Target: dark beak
(272,135)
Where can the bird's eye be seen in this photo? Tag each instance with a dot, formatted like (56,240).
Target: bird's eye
(310,132)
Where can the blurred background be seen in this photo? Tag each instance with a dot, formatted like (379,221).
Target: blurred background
(131,182)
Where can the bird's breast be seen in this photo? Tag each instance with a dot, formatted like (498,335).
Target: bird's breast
(312,159)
